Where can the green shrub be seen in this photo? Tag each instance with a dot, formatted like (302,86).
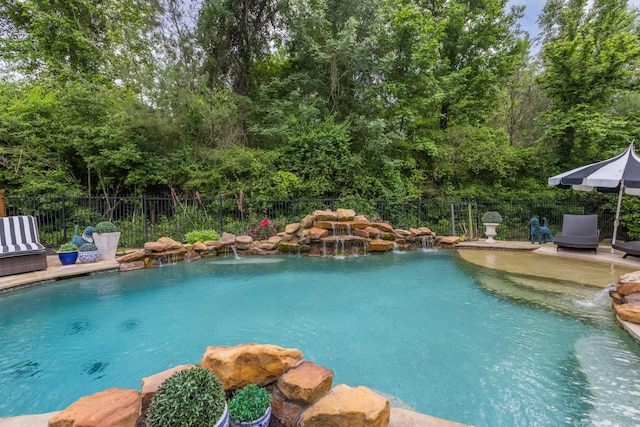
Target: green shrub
(88,247)
(491,217)
(249,403)
(189,398)
(68,247)
(201,236)
(104,227)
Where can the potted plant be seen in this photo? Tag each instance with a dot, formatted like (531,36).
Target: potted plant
(250,406)
(190,398)
(491,220)
(88,252)
(68,253)
(106,238)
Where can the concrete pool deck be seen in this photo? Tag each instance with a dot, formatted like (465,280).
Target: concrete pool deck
(55,271)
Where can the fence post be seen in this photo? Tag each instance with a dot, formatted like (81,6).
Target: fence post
(146,219)
(220,214)
(453,220)
(3,206)
(419,205)
(64,220)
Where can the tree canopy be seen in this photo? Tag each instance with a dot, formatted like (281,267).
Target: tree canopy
(310,98)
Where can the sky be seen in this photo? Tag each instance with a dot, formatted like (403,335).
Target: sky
(533,9)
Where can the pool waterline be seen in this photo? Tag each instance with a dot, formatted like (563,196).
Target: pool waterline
(352,307)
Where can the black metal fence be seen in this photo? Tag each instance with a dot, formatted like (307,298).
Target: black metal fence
(147,218)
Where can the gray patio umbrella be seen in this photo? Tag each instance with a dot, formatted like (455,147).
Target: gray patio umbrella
(618,174)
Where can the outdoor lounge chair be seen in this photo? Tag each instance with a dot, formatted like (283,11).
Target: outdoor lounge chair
(578,232)
(629,248)
(20,247)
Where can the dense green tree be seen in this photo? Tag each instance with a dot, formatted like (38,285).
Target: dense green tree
(590,62)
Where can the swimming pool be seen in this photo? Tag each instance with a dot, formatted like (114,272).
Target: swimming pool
(448,338)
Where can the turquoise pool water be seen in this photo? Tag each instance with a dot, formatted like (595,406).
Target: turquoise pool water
(448,338)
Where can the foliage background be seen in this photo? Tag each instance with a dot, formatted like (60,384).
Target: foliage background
(309,98)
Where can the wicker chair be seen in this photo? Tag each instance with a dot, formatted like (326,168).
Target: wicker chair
(20,247)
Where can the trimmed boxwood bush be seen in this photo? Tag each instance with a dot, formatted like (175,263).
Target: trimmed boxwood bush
(88,247)
(249,403)
(105,227)
(189,398)
(491,217)
(68,247)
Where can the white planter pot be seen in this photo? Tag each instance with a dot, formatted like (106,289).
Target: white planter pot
(263,421)
(490,231)
(224,419)
(107,244)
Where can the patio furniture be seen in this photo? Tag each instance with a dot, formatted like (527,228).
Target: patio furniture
(578,232)
(20,247)
(630,248)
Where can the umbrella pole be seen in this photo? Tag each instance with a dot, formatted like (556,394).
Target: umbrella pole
(617,220)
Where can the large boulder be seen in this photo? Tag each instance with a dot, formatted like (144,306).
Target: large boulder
(244,242)
(169,244)
(633,277)
(244,364)
(113,407)
(325,215)
(349,407)
(382,226)
(307,221)
(316,233)
(378,245)
(132,256)
(628,288)
(346,214)
(292,228)
(306,383)
(228,239)
(628,312)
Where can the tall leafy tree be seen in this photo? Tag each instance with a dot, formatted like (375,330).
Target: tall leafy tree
(590,58)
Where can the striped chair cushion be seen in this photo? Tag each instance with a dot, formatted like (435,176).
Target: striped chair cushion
(19,234)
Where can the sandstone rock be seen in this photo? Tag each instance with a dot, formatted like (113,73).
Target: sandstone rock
(292,247)
(244,242)
(199,246)
(387,236)
(213,245)
(628,312)
(306,383)
(292,228)
(192,256)
(361,220)
(304,240)
(628,288)
(406,418)
(373,232)
(378,245)
(267,246)
(426,231)
(617,298)
(316,233)
(283,410)
(633,298)
(153,247)
(360,233)
(284,237)
(307,221)
(132,256)
(169,244)
(449,240)
(401,233)
(400,242)
(151,384)
(275,239)
(346,214)
(633,277)
(228,239)
(347,406)
(382,226)
(110,408)
(244,364)
(132,265)
(325,215)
